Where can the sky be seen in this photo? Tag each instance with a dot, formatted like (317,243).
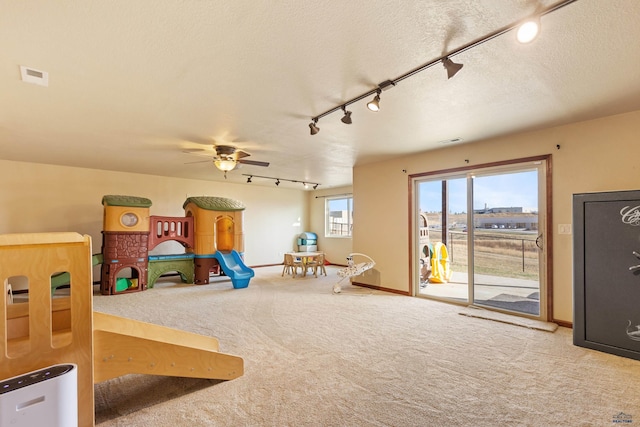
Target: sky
(505,190)
(338,204)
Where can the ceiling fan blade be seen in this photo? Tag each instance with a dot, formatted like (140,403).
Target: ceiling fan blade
(199,161)
(254,163)
(240,154)
(199,152)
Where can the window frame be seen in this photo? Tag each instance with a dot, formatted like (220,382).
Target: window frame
(327,217)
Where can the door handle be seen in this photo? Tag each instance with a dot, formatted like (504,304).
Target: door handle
(635,267)
(539,241)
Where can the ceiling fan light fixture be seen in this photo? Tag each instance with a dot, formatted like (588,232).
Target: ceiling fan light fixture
(346,119)
(451,67)
(528,30)
(374,104)
(314,128)
(225,165)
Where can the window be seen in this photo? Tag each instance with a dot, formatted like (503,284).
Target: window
(339,217)
(129,219)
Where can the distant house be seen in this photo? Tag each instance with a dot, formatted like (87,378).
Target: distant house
(498,210)
(512,218)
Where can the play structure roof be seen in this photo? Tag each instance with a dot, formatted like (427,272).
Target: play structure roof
(132,201)
(215,203)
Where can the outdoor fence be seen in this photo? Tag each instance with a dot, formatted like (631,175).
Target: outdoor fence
(495,253)
(339,229)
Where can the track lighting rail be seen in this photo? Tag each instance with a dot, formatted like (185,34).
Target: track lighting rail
(306,184)
(387,84)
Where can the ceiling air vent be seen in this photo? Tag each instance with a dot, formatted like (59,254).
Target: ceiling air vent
(450,141)
(31,75)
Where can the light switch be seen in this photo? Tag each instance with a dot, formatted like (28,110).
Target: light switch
(564,228)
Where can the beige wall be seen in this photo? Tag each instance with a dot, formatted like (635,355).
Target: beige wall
(43,198)
(596,155)
(336,249)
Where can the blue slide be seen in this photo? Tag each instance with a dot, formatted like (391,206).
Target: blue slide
(233,266)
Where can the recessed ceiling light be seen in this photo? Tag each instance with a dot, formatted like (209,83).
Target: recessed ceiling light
(31,75)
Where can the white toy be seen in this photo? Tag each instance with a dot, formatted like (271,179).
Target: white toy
(353,269)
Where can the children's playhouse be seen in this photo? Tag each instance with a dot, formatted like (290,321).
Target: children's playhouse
(211,233)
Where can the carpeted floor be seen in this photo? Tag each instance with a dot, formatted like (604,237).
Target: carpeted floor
(362,358)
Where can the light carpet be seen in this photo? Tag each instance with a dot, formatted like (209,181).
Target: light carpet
(361,358)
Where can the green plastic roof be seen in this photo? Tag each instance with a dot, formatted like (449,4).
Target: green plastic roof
(214,203)
(132,201)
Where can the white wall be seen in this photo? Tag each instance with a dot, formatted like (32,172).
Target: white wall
(596,155)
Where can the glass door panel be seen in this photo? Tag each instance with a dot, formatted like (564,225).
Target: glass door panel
(443,242)
(506,269)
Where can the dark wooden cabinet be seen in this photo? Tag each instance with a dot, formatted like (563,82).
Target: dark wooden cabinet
(606,278)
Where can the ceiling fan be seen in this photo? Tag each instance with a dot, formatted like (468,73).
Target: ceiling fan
(227,158)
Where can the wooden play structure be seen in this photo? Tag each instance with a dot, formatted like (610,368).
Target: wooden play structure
(50,330)
(211,233)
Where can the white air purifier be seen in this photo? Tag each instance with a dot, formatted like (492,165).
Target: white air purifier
(46,397)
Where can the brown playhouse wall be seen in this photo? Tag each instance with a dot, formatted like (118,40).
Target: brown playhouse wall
(123,250)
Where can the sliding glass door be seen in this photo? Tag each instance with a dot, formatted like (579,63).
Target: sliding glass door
(443,247)
(484,232)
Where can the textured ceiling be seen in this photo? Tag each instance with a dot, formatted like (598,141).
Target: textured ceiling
(134,83)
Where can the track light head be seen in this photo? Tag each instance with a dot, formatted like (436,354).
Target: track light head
(347,116)
(314,129)
(452,67)
(528,30)
(249,179)
(277,182)
(374,104)
(315,186)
